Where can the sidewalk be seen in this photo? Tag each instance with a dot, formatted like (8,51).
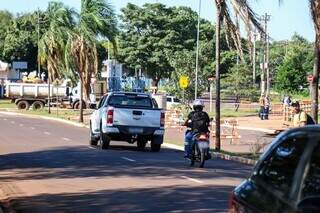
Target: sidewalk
(255,134)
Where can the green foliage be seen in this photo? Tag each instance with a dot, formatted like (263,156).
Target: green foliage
(6,20)
(239,82)
(20,41)
(292,74)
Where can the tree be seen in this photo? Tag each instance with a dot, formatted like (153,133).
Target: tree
(242,10)
(6,20)
(21,40)
(53,42)
(96,18)
(297,64)
(315,13)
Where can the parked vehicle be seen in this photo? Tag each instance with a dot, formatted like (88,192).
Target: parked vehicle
(172,101)
(127,116)
(200,149)
(25,95)
(286,178)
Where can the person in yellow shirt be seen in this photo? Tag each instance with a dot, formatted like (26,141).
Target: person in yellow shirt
(300,117)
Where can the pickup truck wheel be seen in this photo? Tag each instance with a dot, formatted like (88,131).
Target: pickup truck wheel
(37,105)
(141,144)
(156,143)
(104,141)
(93,140)
(23,105)
(155,147)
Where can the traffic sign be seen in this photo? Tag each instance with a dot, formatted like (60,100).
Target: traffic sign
(184,82)
(310,78)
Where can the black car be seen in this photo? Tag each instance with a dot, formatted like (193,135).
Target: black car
(286,178)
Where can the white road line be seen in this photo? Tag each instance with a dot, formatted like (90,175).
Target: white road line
(47,133)
(21,125)
(32,128)
(92,147)
(66,139)
(5,119)
(128,159)
(13,122)
(192,179)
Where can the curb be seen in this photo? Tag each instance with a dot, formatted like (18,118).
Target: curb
(218,155)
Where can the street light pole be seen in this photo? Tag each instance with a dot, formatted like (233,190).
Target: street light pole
(197,53)
(38,43)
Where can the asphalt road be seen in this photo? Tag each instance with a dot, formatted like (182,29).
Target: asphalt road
(49,167)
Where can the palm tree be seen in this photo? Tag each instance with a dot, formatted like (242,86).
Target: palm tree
(96,19)
(53,41)
(243,10)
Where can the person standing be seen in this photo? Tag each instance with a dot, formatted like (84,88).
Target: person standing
(261,103)
(267,104)
(300,118)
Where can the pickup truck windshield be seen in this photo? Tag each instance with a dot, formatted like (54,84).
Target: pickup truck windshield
(130,101)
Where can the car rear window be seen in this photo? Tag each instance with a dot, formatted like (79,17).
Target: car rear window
(130,101)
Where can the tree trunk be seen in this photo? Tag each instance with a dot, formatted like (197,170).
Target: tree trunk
(315,11)
(81,102)
(315,82)
(218,25)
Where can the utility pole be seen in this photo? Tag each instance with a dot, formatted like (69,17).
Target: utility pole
(197,53)
(254,57)
(265,18)
(38,74)
(268,67)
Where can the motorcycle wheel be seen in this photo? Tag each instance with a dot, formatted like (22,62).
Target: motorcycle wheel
(202,159)
(193,156)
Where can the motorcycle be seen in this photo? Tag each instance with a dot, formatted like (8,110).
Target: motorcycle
(200,149)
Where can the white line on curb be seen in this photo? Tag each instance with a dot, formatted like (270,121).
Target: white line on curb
(47,133)
(66,139)
(128,159)
(192,179)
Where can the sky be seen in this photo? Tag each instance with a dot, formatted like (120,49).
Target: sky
(286,19)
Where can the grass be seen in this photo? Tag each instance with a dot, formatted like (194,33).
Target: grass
(6,104)
(227,113)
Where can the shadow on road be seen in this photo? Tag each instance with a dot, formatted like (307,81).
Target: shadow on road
(72,162)
(164,199)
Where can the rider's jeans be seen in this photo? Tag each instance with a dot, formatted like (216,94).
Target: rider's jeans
(188,143)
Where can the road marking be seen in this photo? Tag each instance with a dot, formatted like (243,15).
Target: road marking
(47,133)
(5,119)
(66,139)
(192,179)
(92,147)
(32,128)
(13,122)
(21,125)
(128,159)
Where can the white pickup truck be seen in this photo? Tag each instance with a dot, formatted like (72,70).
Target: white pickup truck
(127,116)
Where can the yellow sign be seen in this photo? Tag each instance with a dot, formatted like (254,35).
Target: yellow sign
(184,82)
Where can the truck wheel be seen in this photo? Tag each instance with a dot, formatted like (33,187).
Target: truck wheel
(77,105)
(93,140)
(155,147)
(23,105)
(37,105)
(141,144)
(104,140)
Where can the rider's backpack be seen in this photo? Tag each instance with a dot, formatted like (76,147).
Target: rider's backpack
(199,122)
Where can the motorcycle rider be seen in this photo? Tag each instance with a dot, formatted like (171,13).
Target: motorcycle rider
(199,122)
